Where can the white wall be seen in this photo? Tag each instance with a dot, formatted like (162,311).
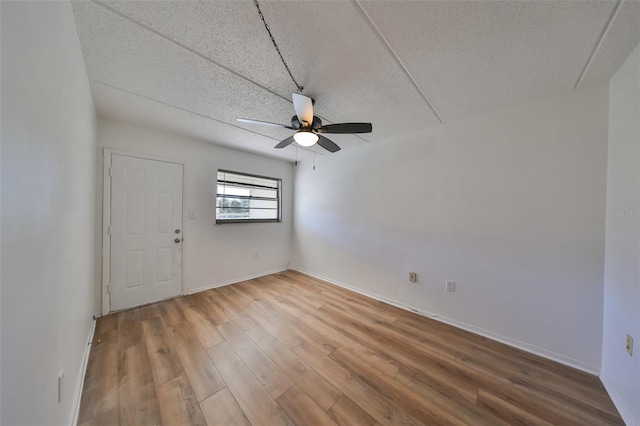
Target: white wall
(214,254)
(621,372)
(509,205)
(0,222)
(48,190)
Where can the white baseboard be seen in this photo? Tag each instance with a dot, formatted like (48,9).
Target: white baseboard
(624,411)
(588,368)
(85,361)
(233,281)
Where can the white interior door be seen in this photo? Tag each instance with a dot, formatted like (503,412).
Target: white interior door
(146,231)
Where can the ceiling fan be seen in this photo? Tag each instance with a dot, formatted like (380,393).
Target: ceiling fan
(309,127)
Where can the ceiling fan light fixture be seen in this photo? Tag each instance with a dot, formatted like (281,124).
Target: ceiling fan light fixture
(305,138)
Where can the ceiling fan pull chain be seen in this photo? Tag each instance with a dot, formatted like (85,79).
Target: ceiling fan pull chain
(298,87)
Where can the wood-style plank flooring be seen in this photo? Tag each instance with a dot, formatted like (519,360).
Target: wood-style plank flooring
(288,349)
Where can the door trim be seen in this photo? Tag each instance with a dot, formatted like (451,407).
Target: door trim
(106,217)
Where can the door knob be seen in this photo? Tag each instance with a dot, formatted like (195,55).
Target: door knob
(177,231)
(177,240)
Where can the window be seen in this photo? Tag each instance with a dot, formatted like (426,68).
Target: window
(247,198)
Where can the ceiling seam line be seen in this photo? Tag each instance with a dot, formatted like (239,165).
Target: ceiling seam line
(193,112)
(177,43)
(603,35)
(396,58)
(178,108)
(189,112)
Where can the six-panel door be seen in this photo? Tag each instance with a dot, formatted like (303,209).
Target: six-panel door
(146,231)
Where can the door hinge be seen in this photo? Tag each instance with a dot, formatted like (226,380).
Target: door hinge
(110,171)
(108,229)
(109,288)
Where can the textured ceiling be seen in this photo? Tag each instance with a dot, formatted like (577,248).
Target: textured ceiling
(191,68)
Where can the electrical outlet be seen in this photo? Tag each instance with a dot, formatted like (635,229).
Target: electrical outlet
(630,345)
(60,385)
(451,286)
(413,277)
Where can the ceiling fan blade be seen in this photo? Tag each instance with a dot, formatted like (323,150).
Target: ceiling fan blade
(288,141)
(264,123)
(327,144)
(304,108)
(346,128)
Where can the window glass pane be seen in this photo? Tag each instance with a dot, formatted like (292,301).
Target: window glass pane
(263,204)
(264,214)
(232,214)
(247,180)
(264,193)
(233,190)
(235,205)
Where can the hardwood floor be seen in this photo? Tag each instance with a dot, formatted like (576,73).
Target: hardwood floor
(289,349)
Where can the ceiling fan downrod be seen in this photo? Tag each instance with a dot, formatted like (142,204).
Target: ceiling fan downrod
(299,88)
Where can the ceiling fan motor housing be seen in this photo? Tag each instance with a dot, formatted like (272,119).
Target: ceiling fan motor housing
(315,125)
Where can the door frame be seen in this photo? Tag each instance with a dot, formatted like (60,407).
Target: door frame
(106,217)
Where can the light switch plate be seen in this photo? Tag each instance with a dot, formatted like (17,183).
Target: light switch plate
(451,286)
